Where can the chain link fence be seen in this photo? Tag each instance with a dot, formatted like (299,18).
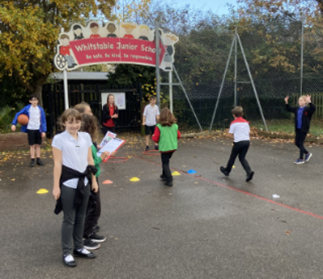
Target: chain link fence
(274,51)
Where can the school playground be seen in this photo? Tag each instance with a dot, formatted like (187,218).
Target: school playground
(205,226)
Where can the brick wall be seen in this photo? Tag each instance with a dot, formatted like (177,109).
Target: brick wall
(14,141)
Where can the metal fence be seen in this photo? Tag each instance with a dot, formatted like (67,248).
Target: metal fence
(90,92)
(285,57)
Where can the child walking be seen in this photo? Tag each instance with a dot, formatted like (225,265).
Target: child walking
(73,179)
(240,129)
(303,115)
(36,128)
(91,239)
(166,135)
(150,118)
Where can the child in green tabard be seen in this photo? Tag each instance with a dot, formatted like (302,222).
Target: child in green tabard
(91,239)
(166,135)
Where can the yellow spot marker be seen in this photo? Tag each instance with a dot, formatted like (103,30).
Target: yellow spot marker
(233,167)
(134,179)
(176,173)
(42,191)
(107,182)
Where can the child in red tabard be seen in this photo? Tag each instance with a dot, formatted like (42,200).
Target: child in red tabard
(240,129)
(166,135)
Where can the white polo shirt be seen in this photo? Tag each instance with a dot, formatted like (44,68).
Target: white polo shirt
(150,112)
(240,129)
(34,118)
(74,153)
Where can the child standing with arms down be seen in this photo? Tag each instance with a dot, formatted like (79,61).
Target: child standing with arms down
(36,128)
(109,115)
(150,118)
(73,167)
(240,129)
(303,115)
(166,135)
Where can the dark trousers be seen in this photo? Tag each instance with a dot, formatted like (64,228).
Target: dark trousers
(93,213)
(165,158)
(73,220)
(105,129)
(299,142)
(239,148)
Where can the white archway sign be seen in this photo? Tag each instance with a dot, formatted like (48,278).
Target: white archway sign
(115,43)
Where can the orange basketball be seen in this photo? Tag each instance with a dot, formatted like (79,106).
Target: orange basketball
(23,119)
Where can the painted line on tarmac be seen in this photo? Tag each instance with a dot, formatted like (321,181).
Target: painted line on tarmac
(238,190)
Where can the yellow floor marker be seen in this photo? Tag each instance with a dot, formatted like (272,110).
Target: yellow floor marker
(107,182)
(42,191)
(176,173)
(134,179)
(233,167)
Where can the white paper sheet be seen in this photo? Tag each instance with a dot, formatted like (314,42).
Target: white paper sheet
(111,145)
(109,135)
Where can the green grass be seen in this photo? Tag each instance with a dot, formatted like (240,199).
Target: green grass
(288,126)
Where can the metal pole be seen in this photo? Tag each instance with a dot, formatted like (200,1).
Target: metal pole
(171,90)
(252,83)
(157,63)
(66,90)
(222,83)
(235,67)
(302,53)
(188,100)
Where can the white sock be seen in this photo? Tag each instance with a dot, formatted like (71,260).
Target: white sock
(83,251)
(69,258)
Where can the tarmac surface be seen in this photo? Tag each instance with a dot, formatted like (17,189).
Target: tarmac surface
(205,226)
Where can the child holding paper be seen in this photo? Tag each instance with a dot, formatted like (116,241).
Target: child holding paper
(91,239)
(166,135)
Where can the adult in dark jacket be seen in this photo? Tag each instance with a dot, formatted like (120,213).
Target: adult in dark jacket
(109,115)
(303,115)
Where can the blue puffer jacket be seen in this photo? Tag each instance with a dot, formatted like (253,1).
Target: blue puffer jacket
(25,110)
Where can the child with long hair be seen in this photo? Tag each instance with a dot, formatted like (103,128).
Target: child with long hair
(303,115)
(91,239)
(166,135)
(73,180)
(109,115)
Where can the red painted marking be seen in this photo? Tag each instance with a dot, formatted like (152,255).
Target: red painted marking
(241,191)
(117,159)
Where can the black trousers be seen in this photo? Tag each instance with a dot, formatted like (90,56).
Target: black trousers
(105,129)
(93,213)
(239,148)
(165,158)
(299,142)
